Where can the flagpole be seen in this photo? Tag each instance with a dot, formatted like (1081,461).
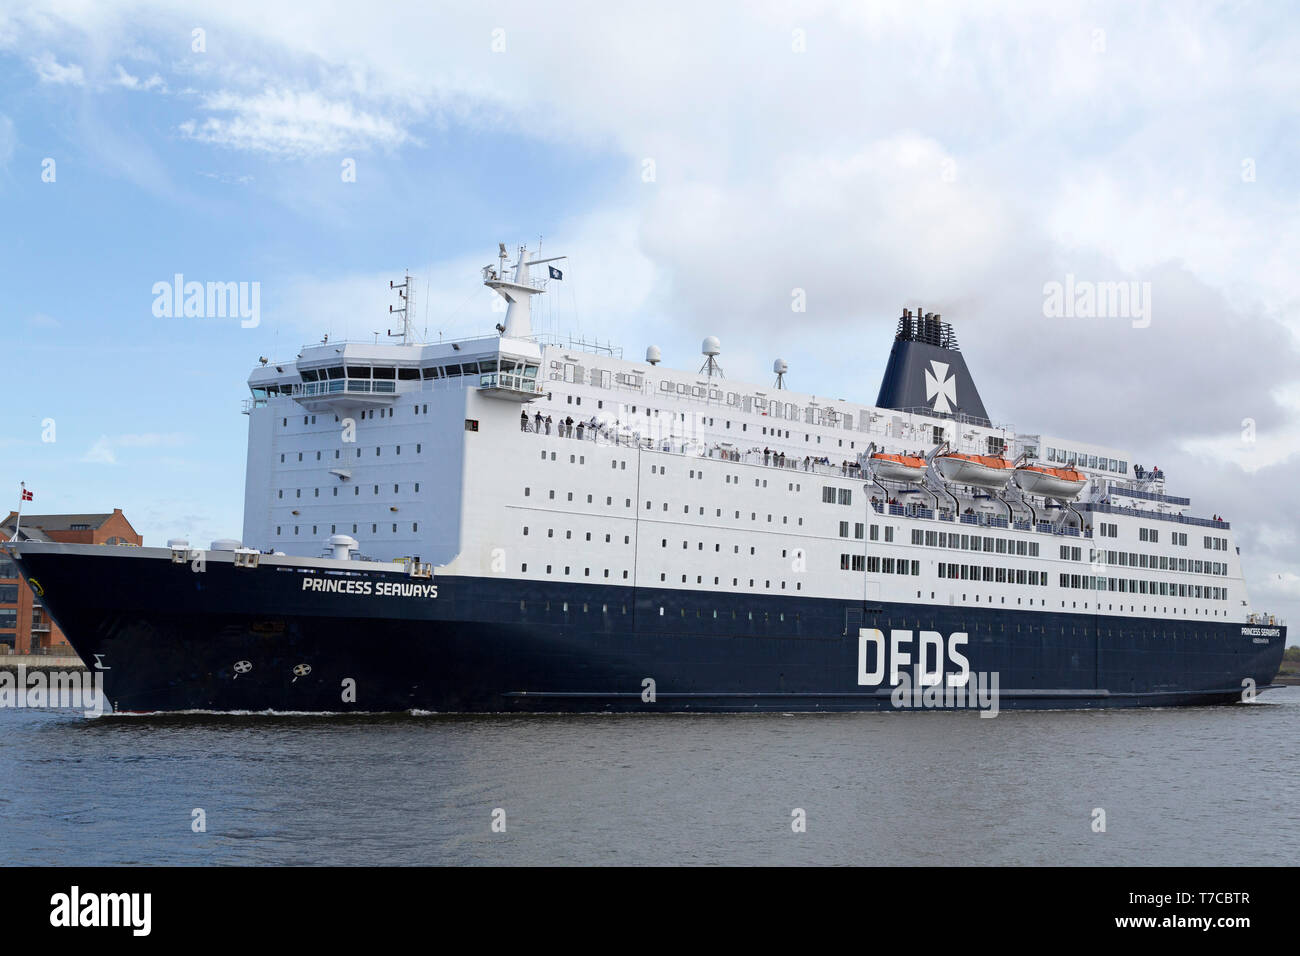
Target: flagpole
(19,520)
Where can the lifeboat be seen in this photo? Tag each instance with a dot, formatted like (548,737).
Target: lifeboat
(897,467)
(982,471)
(1063,483)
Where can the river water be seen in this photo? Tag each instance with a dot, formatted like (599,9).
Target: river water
(1213,785)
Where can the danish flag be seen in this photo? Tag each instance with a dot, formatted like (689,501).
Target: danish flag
(27,495)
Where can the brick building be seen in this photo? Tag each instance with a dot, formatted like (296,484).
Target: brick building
(24,626)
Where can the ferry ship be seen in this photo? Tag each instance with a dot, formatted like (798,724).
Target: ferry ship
(513,523)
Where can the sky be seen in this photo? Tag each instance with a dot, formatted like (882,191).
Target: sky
(704,167)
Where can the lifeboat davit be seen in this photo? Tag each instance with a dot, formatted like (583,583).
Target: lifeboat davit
(982,471)
(897,467)
(1063,483)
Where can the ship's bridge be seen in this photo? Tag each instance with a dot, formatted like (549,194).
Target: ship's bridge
(349,375)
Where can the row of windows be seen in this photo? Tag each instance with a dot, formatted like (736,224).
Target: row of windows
(700,613)
(1179,538)
(356,490)
(367,414)
(568,569)
(1090,582)
(877,565)
(970,542)
(398,373)
(832,495)
(374,529)
(662,471)
(1161,562)
(979,572)
(1069,553)
(1085,460)
(699,579)
(419,449)
(686,509)
(1216,544)
(887,623)
(833,419)
(1152,536)
(568,535)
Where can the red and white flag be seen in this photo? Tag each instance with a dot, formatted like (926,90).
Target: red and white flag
(27,495)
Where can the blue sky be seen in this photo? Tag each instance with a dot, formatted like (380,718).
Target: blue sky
(874,156)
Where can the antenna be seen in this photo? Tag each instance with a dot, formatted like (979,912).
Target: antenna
(406,294)
(518,289)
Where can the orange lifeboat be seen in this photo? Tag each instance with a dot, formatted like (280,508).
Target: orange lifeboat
(1064,483)
(982,471)
(897,467)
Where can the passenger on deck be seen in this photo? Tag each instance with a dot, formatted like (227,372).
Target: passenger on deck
(523,421)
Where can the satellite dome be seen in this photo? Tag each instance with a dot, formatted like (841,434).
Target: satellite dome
(653,355)
(711,346)
(780,367)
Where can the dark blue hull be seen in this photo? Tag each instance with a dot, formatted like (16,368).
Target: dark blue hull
(232,639)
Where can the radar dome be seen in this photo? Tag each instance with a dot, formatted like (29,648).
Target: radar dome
(653,355)
(780,367)
(711,346)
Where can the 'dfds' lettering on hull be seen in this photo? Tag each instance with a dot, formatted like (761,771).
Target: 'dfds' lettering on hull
(931,652)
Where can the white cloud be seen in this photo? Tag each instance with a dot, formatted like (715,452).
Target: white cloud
(228,179)
(125,79)
(291,123)
(100,453)
(104,450)
(49,70)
